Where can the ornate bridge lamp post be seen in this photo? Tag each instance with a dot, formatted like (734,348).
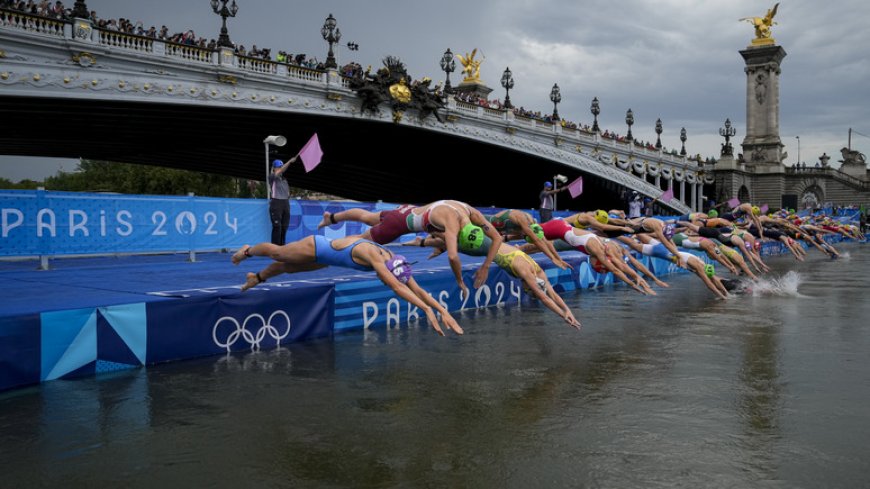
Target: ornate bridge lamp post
(683,140)
(799,149)
(80,10)
(224,12)
(507,82)
(658,134)
(629,119)
(448,64)
(727,132)
(595,109)
(555,97)
(332,35)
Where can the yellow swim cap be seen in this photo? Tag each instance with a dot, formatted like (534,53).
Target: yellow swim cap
(601,216)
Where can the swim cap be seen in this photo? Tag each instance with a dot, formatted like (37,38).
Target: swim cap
(538,230)
(713,213)
(756,210)
(710,270)
(668,231)
(747,245)
(470,237)
(277,163)
(601,216)
(400,268)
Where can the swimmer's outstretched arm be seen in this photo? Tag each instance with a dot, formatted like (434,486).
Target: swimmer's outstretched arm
(406,293)
(448,319)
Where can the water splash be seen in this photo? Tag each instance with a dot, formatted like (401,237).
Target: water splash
(785,286)
(845,256)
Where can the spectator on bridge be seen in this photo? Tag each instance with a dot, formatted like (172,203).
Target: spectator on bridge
(279,202)
(634,205)
(547,203)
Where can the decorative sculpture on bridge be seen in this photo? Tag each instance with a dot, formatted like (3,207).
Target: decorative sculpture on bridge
(390,84)
(762,27)
(470,67)
(852,157)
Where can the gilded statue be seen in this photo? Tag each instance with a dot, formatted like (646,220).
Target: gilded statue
(470,67)
(762,26)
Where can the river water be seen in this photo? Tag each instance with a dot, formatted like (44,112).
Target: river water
(769,389)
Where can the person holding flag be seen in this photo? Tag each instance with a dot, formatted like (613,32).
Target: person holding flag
(279,188)
(279,201)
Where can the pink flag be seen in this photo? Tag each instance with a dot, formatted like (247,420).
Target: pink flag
(575,188)
(311,153)
(734,202)
(764,209)
(667,196)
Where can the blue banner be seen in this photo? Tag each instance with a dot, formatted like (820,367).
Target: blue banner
(55,223)
(261,318)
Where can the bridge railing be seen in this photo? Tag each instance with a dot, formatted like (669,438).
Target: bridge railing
(258,65)
(308,74)
(830,172)
(125,41)
(32,23)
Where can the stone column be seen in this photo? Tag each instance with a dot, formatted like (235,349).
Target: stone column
(762,147)
(694,202)
(683,191)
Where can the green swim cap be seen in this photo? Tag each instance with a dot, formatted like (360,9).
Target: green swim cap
(710,270)
(538,230)
(713,213)
(470,237)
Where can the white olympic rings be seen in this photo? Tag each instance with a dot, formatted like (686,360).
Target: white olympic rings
(242,331)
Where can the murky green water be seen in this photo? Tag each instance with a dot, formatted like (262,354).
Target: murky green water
(679,390)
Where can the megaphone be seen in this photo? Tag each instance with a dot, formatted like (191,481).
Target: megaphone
(276,140)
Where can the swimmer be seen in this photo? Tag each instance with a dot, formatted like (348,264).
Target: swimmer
(514,224)
(587,243)
(519,265)
(316,252)
(457,220)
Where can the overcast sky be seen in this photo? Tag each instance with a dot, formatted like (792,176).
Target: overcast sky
(676,60)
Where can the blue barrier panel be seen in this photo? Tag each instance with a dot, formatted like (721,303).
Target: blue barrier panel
(19,350)
(258,319)
(368,303)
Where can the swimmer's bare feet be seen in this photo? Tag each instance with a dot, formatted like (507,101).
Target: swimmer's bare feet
(241,254)
(251,280)
(326,221)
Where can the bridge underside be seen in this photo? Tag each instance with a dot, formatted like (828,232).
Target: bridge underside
(363,160)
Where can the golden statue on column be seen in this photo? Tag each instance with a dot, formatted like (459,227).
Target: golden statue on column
(762,27)
(470,67)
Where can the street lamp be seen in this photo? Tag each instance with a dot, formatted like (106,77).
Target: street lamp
(683,140)
(658,134)
(799,149)
(507,82)
(557,179)
(277,141)
(595,109)
(448,64)
(629,119)
(555,97)
(224,12)
(727,132)
(332,35)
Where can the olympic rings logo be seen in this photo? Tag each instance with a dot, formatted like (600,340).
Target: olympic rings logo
(243,333)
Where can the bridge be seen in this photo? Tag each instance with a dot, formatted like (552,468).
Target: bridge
(71,89)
